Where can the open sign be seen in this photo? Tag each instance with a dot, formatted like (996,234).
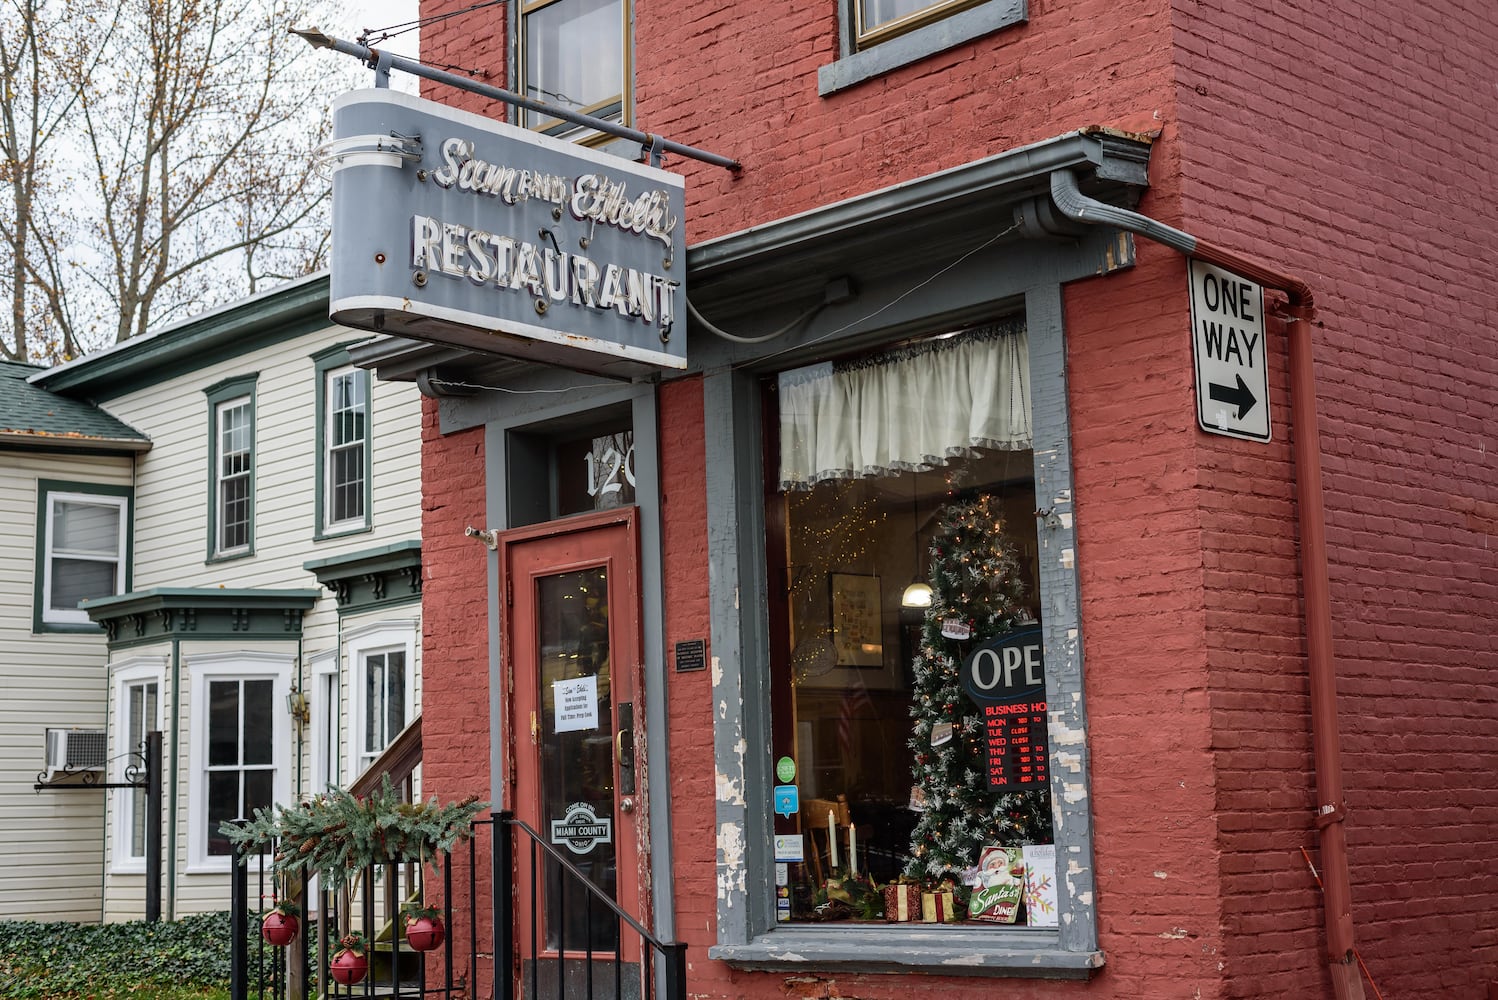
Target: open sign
(1007,668)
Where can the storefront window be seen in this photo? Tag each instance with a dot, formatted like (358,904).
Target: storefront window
(910,730)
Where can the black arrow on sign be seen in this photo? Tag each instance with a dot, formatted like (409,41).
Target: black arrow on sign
(1240,397)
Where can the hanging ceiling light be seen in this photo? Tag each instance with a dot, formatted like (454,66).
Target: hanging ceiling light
(918,594)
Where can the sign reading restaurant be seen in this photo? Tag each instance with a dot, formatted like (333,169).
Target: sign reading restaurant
(456,229)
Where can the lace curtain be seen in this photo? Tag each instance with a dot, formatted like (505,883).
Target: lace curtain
(910,409)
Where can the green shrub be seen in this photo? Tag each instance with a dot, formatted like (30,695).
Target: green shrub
(62,961)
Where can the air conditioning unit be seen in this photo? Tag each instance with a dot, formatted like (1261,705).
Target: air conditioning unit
(70,751)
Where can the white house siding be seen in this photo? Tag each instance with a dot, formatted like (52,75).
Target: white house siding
(53,840)
(172,494)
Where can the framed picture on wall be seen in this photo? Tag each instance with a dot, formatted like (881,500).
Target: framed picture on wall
(857,621)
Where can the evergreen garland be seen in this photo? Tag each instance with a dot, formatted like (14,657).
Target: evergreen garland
(337,835)
(975,580)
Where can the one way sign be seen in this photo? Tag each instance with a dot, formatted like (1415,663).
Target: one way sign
(1227,341)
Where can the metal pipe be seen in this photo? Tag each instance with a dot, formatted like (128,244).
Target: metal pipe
(1325,739)
(383,62)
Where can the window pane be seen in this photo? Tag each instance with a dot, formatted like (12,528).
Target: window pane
(574,56)
(395,665)
(347,483)
(141,718)
(374,703)
(876,14)
(75,580)
(886,738)
(258,725)
(223,805)
(258,789)
(223,723)
(80,528)
(236,462)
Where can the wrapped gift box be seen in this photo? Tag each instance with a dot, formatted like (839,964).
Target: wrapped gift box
(902,902)
(938,907)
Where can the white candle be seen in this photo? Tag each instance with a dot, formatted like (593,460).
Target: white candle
(832,837)
(853,848)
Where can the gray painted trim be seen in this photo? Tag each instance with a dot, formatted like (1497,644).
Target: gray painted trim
(912,46)
(504,415)
(747,934)
(1060,598)
(740,631)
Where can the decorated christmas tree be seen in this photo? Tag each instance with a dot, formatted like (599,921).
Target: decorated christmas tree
(977,590)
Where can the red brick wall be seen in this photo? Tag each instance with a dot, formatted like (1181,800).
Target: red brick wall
(1352,147)
(455,649)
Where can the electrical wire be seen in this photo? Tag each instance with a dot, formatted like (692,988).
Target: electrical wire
(753,340)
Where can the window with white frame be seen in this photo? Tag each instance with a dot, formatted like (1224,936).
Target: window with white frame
(137,712)
(231,467)
(345,448)
(83,549)
(240,735)
(574,54)
(381,667)
(325,771)
(235,434)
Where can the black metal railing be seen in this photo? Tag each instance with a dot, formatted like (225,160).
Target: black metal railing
(577,970)
(613,958)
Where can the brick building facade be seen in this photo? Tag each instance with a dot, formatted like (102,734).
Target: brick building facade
(896,187)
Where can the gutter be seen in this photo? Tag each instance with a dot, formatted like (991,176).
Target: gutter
(1326,743)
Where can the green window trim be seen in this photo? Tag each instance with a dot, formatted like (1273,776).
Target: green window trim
(325,363)
(218,394)
(45,490)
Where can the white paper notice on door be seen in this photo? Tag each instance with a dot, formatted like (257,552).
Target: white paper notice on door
(576,704)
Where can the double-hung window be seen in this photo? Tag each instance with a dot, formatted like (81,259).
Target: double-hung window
(381,662)
(574,54)
(239,724)
(232,468)
(82,549)
(345,450)
(137,712)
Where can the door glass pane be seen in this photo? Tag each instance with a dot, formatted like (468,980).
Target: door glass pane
(577,751)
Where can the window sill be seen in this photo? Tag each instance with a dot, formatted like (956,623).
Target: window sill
(228,557)
(913,46)
(342,531)
(957,951)
(69,628)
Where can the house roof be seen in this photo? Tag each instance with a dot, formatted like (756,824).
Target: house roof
(34,418)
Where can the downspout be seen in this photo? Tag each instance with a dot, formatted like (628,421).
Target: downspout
(1326,744)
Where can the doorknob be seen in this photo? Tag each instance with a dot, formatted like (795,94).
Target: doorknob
(627,804)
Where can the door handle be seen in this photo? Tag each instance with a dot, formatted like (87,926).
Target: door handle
(624,749)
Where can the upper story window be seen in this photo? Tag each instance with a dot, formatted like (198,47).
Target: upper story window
(231,457)
(879,36)
(82,550)
(876,20)
(345,449)
(574,54)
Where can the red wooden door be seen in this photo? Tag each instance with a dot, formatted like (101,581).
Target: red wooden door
(573,659)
